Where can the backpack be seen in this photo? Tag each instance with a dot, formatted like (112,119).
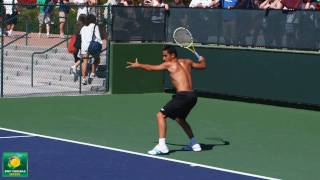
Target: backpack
(74,44)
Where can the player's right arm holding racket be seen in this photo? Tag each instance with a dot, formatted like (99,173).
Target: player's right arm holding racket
(201,64)
(189,64)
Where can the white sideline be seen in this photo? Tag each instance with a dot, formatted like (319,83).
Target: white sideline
(140,154)
(12,137)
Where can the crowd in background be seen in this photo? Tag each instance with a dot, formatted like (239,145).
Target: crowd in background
(84,7)
(227,4)
(10,12)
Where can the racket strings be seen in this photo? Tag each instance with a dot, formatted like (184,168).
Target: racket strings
(183,37)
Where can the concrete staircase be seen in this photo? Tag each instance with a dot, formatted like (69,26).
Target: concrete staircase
(51,73)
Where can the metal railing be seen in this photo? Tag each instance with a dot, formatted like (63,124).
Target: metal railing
(42,52)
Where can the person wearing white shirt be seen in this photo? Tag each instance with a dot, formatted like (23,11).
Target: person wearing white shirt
(204,3)
(86,33)
(82,7)
(11,15)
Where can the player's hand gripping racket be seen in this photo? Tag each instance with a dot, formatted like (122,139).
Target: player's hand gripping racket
(183,38)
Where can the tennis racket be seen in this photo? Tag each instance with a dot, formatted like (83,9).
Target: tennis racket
(183,38)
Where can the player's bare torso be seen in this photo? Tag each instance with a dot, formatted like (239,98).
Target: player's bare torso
(180,74)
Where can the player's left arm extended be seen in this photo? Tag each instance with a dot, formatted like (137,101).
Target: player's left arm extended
(147,67)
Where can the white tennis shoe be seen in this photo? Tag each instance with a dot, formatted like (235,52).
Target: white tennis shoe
(158,150)
(194,147)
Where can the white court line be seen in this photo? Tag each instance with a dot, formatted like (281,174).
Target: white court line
(141,154)
(12,137)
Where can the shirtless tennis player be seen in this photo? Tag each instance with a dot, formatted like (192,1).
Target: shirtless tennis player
(182,102)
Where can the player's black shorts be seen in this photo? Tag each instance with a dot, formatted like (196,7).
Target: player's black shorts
(180,105)
(11,18)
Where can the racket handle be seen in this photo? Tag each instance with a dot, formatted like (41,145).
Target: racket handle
(197,55)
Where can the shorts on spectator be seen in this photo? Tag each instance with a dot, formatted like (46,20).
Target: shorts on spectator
(11,18)
(43,19)
(62,16)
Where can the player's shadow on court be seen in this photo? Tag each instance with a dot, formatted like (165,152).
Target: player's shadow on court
(204,147)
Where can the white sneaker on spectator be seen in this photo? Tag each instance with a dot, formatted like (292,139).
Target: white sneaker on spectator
(158,150)
(10,33)
(92,75)
(192,147)
(84,81)
(62,36)
(73,70)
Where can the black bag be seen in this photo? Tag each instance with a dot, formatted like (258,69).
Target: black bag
(94,47)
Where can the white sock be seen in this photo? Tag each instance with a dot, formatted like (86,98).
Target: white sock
(193,141)
(162,141)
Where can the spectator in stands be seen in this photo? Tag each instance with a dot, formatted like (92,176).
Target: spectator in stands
(63,12)
(271,4)
(203,20)
(44,16)
(11,15)
(77,55)
(316,4)
(204,3)
(111,3)
(92,9)
(291,4)
(308,4)
(292,22)
(243,28)
(82,7)
(247,4)
(229,21)
(125,3)
(257,25)
(155,3)
(86,36)
(153,19)
(181,19)
(2,14)
(308,21)
(272,25)
(177,3)
(106,12)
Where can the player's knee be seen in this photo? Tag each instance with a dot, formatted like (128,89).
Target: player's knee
(160,115)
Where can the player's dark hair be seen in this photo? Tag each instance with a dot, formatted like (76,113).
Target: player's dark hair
(170,49)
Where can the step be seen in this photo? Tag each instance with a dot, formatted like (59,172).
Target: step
(61,59)
(42,82)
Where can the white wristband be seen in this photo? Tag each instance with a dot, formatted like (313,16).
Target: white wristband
(197,55)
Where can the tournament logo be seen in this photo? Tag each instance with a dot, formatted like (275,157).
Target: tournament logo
(15,164)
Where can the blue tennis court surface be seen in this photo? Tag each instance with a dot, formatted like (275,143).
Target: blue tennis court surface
(57,159)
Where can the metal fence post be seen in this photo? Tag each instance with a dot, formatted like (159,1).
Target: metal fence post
(2,42)
(26,28)
(80,76)
(32,57)
(108,38)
